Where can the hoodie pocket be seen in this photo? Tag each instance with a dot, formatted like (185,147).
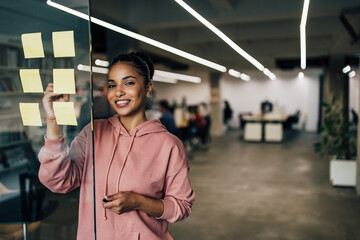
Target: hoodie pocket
(104,234)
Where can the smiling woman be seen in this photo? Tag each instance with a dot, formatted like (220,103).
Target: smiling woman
(128,85)
(142,179)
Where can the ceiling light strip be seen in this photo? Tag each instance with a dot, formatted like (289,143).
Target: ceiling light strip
(177,76)
(164,79)
(245,77)
(346,69)
(352,74)
(141,38)
(102,63)
(220,34)
(234,73)
(238,74)
(86,68)
(303,34)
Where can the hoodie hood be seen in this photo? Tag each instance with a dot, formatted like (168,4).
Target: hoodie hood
(148,127)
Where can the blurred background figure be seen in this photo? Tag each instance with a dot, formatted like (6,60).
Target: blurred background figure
(102,108)
(266,107)
(197,126)
(227,113)
(167,119)
(204,110)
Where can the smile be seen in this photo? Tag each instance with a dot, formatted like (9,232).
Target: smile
(122,103)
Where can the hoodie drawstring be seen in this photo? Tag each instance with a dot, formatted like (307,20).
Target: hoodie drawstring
(122,168)
(108,170)
(126,157)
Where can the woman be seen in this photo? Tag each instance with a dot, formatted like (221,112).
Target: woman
(142,180)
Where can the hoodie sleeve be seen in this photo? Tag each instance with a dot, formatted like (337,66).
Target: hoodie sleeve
(60,166)
(179,196)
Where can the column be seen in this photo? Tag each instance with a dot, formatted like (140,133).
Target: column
(216,104)
(337,83)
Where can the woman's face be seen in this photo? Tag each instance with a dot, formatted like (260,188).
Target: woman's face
(126,90)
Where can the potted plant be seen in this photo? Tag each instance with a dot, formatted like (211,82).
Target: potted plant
(336,143)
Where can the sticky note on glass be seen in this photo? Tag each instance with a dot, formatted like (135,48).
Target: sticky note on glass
(63,44)
(32,45)
(31,81)
(30,114)
(64,81)
(65,113)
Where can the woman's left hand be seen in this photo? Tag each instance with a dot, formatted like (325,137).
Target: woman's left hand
(122,202)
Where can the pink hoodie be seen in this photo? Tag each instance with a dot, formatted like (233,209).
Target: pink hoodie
(148,160)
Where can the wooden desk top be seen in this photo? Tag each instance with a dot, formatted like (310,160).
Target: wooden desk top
(264,118)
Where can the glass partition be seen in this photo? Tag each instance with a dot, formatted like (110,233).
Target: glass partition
(40,44)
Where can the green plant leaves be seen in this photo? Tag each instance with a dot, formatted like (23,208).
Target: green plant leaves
(335,135)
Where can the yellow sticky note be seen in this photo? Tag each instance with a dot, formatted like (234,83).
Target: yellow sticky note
(63,44)
(30,114)
(31,81)
(32,45)
(65,113)
(64,81)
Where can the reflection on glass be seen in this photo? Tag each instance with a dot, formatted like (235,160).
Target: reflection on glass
(37,40)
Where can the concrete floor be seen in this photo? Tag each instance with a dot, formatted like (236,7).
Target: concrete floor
(251,191)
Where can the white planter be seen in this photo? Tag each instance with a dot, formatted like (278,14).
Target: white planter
(343,173)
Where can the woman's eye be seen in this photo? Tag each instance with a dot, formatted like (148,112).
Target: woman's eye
(129,83)
(111,86)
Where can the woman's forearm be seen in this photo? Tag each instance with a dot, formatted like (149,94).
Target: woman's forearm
(53,131)
(151,206)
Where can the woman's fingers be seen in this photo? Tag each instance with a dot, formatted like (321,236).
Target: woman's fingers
(112,204)
(50,97)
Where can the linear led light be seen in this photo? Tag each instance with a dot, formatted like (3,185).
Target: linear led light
(303,34)
(245,77)
(352,74)
(140,37)
(268,73)
(272,76)
(238,74)
(346,69)
(177,76)
(86,68)
(234,73)
(220,34)
(164,79)
(301,75)
(101,63)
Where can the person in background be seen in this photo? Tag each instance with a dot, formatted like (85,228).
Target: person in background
(167,119)
(205,112)
(142,171)
(197,124)
(227,112)
(266,107)
(102,108)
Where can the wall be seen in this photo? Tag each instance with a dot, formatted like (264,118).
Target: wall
(194,93)
(287,91)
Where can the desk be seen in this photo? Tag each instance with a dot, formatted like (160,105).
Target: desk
(260,128)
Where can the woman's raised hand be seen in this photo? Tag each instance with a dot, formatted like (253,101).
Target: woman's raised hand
(53,131)
(51,97)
